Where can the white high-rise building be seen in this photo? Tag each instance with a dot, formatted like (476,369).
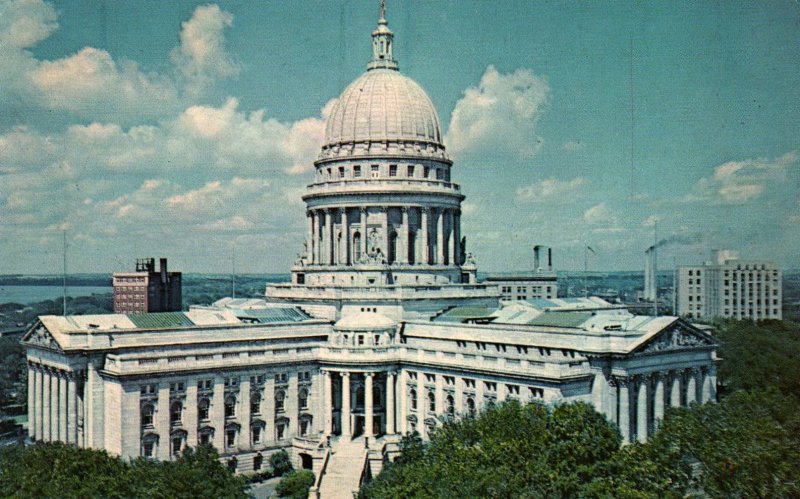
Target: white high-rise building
(730,287)
(376,336)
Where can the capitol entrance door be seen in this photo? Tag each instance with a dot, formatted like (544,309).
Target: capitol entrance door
(358,425)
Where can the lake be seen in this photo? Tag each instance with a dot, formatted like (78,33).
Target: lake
(33,294)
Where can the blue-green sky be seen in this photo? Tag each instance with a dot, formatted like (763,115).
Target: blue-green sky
(182,129)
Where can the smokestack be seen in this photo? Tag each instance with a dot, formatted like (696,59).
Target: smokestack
(163,264)
(647,271)
(549,259)
(536,258)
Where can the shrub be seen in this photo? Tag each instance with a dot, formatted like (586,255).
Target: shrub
(295,485)
(280,463)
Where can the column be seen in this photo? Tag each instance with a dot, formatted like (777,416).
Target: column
(624,409)
(310,237)
(53,405)
(385,230)
(422,404)
(45,436)
(457,237)
(329,236)
(328,411)
(675,390)
(346,430)
(62,407)
(390,403)
(451,248)
(216,414)
(368,403)
(32,401)
(658,400)
(244,413)
(425,252)
(190,411)
(162,422)
(363,212)
(403,248)
(691,387)
(440,237)
(72,410)
(315,240)
(345,238)
(641,411)
(402,400)
(37,403)
(439,394)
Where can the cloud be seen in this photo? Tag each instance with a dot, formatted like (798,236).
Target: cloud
(738,182)
(599,214)
(499,115)
(549,190)
(25,23)
(201,57)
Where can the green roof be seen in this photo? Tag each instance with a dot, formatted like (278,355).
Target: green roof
(160,320)
(561,319)
(272,314)
(460,314)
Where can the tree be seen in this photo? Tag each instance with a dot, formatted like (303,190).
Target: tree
(295,485)
(280,463)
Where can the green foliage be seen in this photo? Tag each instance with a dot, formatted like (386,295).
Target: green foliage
(513,450)
(13,373)
(63,471)
(280,464)
(295,485)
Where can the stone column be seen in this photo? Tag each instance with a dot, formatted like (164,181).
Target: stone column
(390,403)
(658,400)
(451,247)
(422,404)
(402,415)
(54,405)
(38,402)
(440,236)
(72,409)
(641,411)
(385,230)
(439,394)
(624,409)
(329,237)
(675,389)
(315,242)
(45,436)
(216,414)
(347,432)
(457,237)
(162,422)
(328,411)
(691,386)
(244,413)
(369,431)
(310,237)
(403,248)
(363,212)
(31,402)
(190,410)
(345,238)
(425,251)
(62,407)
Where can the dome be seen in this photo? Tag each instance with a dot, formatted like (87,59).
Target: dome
(383,105)
(365,321)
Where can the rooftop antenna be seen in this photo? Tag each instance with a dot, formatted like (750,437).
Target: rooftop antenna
(633,123)
(655,268)
(586,270)
(64,266)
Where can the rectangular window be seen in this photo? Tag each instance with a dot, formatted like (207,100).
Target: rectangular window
(439,174)
(392,170)
(230,439)
(341,172)
(375,169)
(410,170)
(256,435)
(426,172)
(357,171)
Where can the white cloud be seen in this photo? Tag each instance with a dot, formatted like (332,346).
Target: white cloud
(599,214)
(499,115)
(738,182)
(550,190)
(24,23)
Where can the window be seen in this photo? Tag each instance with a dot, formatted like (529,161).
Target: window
(230,438)
(410,170)
(205,384)
(255,403)
(375,171)
(303,398)
(357,171)
(175,412)
(281,378)
(449,405)
(148,447)
(147,415)
(256,435)
(180,386)
(280,398)
(202,409)
(303,427)
(439,174)
(392,170)
(470,406)
(281,431)
(205,438)
(177,444)
(431,402)
(231,382)
(413,399)
(341,172)
(148,389)
(426,171)
(230,406)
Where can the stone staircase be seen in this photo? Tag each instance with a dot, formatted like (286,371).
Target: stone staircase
(342,475)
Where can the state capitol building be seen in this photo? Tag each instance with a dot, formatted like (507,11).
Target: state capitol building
(383,329)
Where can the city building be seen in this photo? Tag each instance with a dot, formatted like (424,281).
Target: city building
(147,289)
(727,286)
(541,282)
(382,331)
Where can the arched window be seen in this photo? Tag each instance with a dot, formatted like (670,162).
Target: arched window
(356,246)
(202,409)
(280,398)
(147,415)
(450,408)
(302,398)
(413,399)
(230,406)
(255,403)
(175,413)
(470,407)
(431,402)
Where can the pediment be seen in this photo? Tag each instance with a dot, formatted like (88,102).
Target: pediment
(39,336)
(678,336)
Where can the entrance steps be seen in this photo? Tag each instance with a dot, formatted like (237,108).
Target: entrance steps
(346,462)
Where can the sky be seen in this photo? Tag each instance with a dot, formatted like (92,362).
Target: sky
(188,130)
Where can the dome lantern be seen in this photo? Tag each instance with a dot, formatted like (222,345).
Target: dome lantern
(382,44)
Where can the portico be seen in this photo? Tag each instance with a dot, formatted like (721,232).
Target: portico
(359,402)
